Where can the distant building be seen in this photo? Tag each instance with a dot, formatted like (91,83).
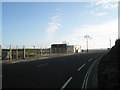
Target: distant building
(77,48)
(59,48)
(73,48)
(70,49)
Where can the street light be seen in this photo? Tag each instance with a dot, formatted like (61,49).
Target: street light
(34,47)
(87,37)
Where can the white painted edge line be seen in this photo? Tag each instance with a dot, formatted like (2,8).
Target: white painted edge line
(66,83)
(88,74)
(90,59)
(42,65)
(84,85)
(84,81)
(81,67)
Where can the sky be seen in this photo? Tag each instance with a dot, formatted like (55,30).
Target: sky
(41,24)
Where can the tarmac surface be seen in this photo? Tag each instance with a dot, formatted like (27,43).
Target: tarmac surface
(61,72)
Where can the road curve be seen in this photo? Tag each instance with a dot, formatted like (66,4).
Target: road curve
(73,71)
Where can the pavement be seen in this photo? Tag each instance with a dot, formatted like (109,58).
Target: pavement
(32,58)
(71,71)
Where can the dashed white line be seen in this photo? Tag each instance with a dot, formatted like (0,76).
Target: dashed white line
(90,59)
(66,83)
(81,67)
(13,62)
(42,65)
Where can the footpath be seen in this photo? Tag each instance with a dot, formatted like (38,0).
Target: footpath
(32,58)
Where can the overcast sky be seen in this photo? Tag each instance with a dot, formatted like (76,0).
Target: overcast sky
(41,24)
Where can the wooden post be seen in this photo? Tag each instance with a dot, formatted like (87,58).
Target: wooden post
(10,54)
(17,52)
(23,52)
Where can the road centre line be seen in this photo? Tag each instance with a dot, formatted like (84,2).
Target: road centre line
(90,59)
(14,62)
(85,82)
(42,65)
(66,83)
(81,67)
(86,78)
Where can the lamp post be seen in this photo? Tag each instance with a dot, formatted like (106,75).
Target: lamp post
(87,37)
(34,47)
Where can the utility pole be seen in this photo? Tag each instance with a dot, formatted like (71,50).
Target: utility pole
(87,37)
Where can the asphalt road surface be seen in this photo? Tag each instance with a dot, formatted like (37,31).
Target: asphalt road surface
(74,71)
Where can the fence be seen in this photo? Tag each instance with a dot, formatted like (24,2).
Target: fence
(8,54)
(24,53)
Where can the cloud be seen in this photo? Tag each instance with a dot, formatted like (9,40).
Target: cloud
(106,4)
(100,34)
(98,14)
(53,26)
(110,6)
(105,1)
(58,9)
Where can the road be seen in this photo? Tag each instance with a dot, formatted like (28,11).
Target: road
(74,71)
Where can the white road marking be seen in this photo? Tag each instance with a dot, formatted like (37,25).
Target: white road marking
(90,59)
(13,62)
(85,82)
(81,67)
(42,65)
(66,83)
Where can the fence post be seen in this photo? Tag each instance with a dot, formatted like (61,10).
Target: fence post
(17,52)
(23,52)
(41,51)
(10,54)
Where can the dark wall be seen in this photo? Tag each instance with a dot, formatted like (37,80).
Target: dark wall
(58,48)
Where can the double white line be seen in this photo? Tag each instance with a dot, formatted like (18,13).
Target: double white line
(85,82)
(86,76)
